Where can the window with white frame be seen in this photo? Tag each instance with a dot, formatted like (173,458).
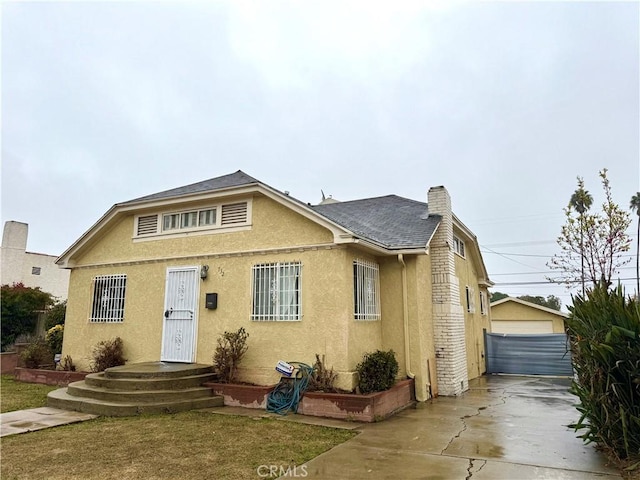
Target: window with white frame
(366,290)
(458,246)
(471,304)
(108,298)
(276,292)
(222,215)
(483,303)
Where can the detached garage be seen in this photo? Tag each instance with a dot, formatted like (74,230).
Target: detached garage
(527,339)
(512,315)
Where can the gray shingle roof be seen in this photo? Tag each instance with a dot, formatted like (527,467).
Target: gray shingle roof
(232,180)
(391,221)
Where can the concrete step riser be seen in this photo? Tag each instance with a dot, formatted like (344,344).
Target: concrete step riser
(150,387)
(123,410)
(116,373)
(149,384)
(80,389)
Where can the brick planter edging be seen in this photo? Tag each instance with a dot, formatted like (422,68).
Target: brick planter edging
(8,362)
(61,378)
(239,395)
(363,408)
(346,406)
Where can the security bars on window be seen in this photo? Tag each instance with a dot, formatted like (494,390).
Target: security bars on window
(276,292)
(366,290)
(108,298)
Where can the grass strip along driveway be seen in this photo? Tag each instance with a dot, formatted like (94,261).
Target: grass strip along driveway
(187,445)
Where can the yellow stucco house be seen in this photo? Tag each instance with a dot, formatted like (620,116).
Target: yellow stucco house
(170,272)
(513,315)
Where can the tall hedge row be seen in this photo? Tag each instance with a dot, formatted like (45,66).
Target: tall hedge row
(604,332)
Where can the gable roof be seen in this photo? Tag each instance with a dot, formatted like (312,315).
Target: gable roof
(385,224)
(528,304)
(391,221)
(235,179)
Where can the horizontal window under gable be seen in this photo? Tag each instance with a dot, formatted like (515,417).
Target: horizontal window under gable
(223,215)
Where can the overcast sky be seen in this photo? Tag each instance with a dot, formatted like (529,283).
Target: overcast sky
(503,103)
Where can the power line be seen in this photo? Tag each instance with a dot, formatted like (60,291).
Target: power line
(519,254)
(510,259)
(556,282)
(548,272)
(521,244)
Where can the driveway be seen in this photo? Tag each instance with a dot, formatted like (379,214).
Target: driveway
(504,427)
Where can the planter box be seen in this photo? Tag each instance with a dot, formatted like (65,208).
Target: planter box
(362,408)
(48,377)
(238,395)
(8,362)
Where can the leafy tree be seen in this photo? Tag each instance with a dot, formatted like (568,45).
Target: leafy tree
(550,302)
(592,244)
(56,315)
(495,296)
(20,308)
(635,207)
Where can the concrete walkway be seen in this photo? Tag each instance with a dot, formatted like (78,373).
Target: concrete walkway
(22,421)
(502,428)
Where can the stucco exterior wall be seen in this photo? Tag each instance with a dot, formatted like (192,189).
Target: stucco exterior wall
(518,312)
(411,291)
(364,335)
(327,326)
(475,321)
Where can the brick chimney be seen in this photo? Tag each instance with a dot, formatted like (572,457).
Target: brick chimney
(448,313)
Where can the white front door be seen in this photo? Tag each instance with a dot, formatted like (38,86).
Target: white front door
(179,332)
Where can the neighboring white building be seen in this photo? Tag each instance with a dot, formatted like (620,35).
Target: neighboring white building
(31,269)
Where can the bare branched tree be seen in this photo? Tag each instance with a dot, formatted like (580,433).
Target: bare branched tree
(591,243)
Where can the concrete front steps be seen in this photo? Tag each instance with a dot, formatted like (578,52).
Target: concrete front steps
(152,387)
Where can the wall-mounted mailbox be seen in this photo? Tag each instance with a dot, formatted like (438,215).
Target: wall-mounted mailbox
(212,301)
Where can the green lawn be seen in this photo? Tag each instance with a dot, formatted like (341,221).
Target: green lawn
(16,395)
(187,445)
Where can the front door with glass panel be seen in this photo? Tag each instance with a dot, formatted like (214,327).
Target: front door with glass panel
(179,332)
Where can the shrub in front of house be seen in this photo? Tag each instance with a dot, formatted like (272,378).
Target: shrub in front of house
(107,354)
(604,332)
(54,338)
(377,371)
(37,354)
(230,349)
(322,378)
(67,364)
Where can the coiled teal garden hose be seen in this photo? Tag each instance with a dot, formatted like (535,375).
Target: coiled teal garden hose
(287,393)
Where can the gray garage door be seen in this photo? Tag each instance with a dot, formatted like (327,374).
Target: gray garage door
(524,354)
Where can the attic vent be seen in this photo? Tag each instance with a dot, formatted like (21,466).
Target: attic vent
(234,213)
(148,225)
